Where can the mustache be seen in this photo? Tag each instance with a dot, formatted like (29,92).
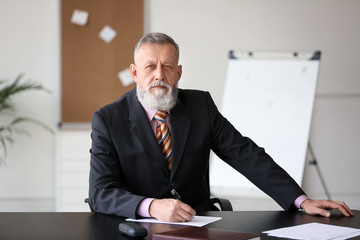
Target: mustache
(159,83)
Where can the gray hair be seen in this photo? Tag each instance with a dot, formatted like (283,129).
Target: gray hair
(156,38)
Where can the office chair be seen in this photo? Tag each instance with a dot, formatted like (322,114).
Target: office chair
(224,204)
(90,206)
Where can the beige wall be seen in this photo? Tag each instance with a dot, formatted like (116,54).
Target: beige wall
(29,44)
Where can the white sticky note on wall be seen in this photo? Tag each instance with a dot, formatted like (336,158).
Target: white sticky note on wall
(107,34)
(125,77)
(79,17)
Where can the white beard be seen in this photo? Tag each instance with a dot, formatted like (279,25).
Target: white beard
(160,100)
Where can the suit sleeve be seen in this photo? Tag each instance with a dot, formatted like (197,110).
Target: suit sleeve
(252,161)
(105,188)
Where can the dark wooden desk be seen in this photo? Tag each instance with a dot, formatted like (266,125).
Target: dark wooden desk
(96,226)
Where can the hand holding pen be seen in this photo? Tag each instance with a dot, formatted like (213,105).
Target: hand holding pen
(171,210)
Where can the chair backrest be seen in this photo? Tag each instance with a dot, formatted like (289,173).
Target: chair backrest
(90,206)
(225,204)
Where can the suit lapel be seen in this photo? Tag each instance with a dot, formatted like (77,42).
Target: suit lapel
(180,126)
(141,129)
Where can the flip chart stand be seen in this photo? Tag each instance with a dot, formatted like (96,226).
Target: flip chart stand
(314,162)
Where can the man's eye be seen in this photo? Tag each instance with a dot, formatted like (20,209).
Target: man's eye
(150,66)
(167,66)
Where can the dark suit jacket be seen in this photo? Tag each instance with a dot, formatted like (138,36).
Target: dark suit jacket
(127,164)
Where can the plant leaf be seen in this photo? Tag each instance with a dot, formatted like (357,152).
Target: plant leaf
(7,131)
(14,88)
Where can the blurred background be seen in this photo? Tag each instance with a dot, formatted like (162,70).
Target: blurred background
(49,172)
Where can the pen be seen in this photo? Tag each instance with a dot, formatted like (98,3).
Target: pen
(175,194)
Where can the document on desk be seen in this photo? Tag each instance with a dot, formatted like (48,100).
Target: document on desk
(198,221)
(315,231)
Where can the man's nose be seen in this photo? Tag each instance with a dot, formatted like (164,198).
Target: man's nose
(159,74)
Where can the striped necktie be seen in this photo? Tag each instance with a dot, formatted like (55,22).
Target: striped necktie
(163,137)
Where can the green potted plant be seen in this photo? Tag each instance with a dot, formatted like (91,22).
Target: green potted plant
(10,122)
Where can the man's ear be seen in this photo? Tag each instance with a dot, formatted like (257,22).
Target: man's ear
(179,72)
(133,72)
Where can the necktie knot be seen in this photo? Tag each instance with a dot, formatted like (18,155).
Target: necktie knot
(160,116)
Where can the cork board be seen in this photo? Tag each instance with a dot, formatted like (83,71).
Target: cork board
(89,65)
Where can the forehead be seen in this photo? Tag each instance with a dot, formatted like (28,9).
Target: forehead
(151,51)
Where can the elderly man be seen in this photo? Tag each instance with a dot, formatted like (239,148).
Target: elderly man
(150,149)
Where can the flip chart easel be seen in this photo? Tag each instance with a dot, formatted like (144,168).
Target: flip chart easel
(268,97)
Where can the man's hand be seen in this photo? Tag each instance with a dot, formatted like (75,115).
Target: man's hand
(320,207)
(171,210)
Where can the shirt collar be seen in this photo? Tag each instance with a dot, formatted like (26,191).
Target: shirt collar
(150,113)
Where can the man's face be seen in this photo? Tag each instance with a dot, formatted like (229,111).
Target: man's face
(156,63)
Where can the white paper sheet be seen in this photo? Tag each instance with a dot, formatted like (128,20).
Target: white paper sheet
(79,17)
(107,34)
(315,231)
(125,77)
(198,221)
